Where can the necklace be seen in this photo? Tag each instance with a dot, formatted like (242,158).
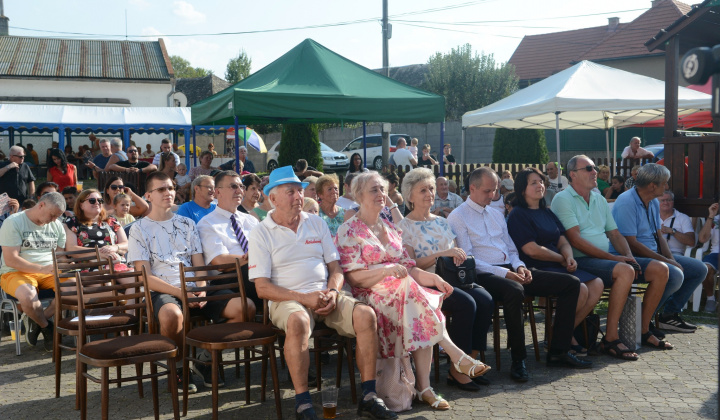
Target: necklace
(377,228)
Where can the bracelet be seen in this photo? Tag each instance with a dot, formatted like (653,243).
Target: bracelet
(335,290)
(394,206)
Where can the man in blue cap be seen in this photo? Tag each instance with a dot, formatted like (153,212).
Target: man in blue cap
(294,264)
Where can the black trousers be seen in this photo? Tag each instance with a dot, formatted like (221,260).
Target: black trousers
(472,311)
(511,294)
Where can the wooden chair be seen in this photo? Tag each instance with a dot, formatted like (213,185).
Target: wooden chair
(218,337)
(436,349)
(324,339)
(121,350)
(65,265)
(529,311)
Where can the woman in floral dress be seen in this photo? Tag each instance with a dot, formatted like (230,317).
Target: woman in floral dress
(382,275)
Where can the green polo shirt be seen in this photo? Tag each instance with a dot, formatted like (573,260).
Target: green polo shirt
(594,219)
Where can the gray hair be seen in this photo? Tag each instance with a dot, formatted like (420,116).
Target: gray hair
(572,163)
(54,199)
(360,181)
(16,149)
(104,140)
(670,193)
(412,178)
(197,181)
(116,142)
(243,148)
(652,173)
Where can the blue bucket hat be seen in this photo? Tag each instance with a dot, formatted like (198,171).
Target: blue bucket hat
(284,175)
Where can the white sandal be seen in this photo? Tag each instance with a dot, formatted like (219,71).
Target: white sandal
(471,369)
(437,402)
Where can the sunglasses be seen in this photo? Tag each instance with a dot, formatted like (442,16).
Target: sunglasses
(132,151)
(588,168)
(163,190)
(235,187)
(117,187)
(19,156)
(93,200)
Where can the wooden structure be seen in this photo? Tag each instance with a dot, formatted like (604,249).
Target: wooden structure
(698,28)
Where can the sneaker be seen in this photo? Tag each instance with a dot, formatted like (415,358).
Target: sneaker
(205,371)
(48,335)
(33,331)
(673,322)
(191,386)
(710,306)
(374,408)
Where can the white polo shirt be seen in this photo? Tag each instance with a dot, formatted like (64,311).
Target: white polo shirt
(295,261)
(682,224)
(217,234)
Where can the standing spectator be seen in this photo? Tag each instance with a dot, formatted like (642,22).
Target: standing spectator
(148,153)
(558,182)
(356,164)
(48,161)
(133,163)
(87,157)
(634,151)
(445,201)
(402,156)
(203,188)
(61,172)
(448,158)
(426,160)
(165,147)
(34,159)
(206,159)
(100,161)
(16,178)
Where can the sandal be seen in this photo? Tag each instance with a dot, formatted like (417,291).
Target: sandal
(437,402)
(661,345)
(477,368)
(613,349)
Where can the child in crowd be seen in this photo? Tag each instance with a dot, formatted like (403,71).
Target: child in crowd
(70,194)
(311,206)
(182,178)
(617,187)
(122,205)
(28,204)
(507,175)
(413,148)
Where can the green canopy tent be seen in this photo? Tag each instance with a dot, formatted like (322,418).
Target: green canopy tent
(312,84)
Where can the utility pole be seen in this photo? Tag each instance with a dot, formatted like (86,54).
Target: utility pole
(386,35)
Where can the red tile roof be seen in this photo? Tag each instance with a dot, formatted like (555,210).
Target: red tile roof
(540,56)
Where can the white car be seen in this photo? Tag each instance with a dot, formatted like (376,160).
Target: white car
(373,142)
(332,161)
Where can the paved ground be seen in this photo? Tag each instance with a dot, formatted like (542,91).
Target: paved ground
(681,383)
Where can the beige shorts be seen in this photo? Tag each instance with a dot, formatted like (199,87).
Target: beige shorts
(341,319)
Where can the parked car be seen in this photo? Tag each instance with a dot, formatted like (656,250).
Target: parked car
(657,149)
(332,161)
(373,143)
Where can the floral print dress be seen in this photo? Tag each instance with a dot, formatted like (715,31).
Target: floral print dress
(100,234)
(408,315)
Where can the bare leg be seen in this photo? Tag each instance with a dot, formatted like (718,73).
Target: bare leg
(365,325)
(593,291)
(297,354)
(170,318)
(28,297)
(709,282)
(656,274)
(233,311)
(623,276)
(423,360)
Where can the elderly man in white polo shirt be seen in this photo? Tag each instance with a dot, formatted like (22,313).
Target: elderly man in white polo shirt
(225,231)
(294,264)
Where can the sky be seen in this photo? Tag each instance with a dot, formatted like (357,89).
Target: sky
(420,28)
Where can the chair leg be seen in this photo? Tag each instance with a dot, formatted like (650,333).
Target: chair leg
(78,379)
(173,387)
(276,382)
(533,330)
(496,335)
(185,368)
(215,365)
(57,357)
(482,356)
(105,391)
(154,384)
(351,369)
(246,353)
(237,365)
(83,390)
(263,371)
(138,372)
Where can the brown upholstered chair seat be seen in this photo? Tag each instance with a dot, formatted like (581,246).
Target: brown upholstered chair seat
(228,332)
(114,321)
(127,346)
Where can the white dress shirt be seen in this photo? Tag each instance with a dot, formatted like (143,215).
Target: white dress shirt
(217,235)
(482,233)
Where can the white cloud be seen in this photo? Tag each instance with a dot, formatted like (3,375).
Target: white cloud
(187,12)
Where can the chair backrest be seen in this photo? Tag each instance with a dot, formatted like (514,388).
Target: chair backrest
(115,295)
(200,275)
(65,265)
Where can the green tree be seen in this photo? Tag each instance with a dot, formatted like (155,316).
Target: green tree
(468,81)
(183,69)
(300,141)
(520,146)
(238,68)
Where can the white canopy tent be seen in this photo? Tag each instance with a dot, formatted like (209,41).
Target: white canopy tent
(585,96)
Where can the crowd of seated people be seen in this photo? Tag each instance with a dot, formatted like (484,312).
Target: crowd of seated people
(364,262)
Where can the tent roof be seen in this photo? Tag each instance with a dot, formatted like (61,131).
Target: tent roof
(312,84)
(46,118)
(587,96)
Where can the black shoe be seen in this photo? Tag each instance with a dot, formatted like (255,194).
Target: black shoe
(518,371)
(673,322)
(470,386)
(567,360)
(33,332)
(48,335)
(374,408)
(191,385)
(205,371)
(306,414)
(656,332)
(481,380)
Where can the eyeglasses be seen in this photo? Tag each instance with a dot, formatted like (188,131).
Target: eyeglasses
(93,200)
(235,187)
(666,200)
(132,151)
(19,156)
(588,168)
(116,187)
(162,190)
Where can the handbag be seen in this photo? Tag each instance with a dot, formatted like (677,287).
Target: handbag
(462,276)
(395,382)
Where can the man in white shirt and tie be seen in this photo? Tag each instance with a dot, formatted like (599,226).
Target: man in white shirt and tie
(482,232)
(224,231)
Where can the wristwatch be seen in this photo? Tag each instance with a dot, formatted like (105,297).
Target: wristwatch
(674,231)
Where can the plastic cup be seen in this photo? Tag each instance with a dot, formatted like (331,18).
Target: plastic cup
(329,402)
(12,330)
(79,185)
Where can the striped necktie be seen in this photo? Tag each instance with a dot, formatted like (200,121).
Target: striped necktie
(239,233)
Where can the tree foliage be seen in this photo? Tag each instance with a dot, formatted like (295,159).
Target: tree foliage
(468,81)
(183,69)
(520,146)
(238,68)
(300,141)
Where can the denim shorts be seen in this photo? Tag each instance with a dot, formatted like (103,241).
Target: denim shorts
(711,259)
(604,268)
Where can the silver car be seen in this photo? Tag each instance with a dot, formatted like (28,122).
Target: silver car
(332,161)
(373,142)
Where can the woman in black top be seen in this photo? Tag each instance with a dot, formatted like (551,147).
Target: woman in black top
(426,159)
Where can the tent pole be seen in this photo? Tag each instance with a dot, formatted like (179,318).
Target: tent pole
(615,166)
(364,146)
(194,147)
(11,133)
(126,137)
(557,139)
(186,133)
(462,146)
(442,147)
(61,138)
(237,144)
(69,138)
(245,136)
(607,143)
